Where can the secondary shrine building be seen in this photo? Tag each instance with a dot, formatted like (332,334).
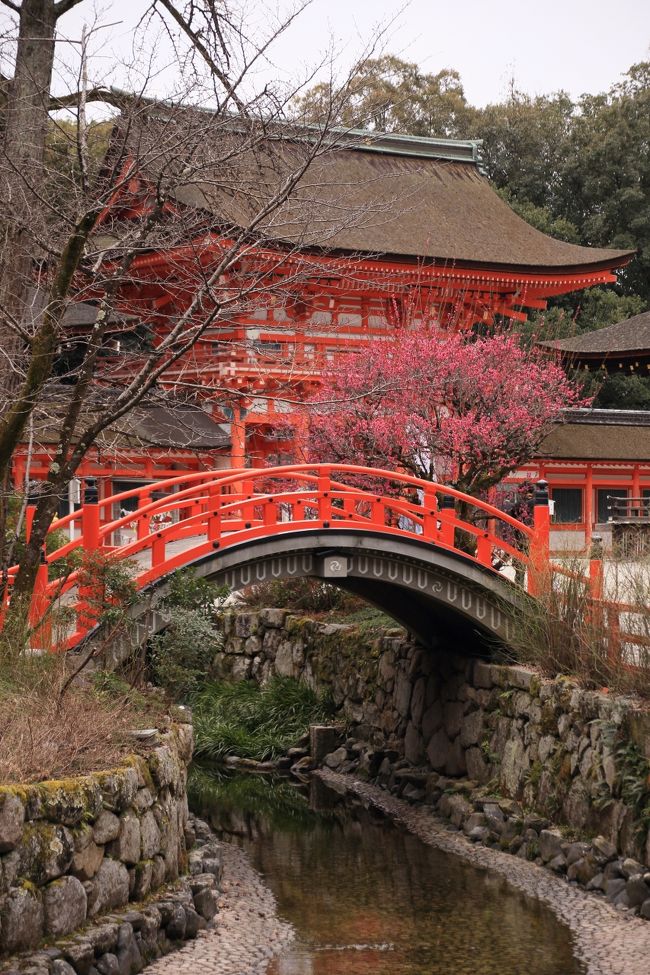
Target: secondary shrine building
(382,229)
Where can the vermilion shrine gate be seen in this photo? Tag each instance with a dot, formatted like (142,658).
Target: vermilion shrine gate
(423,236)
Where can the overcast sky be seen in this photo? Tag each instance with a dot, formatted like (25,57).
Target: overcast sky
(547,45)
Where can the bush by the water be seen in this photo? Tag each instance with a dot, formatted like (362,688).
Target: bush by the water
(181,655)
(254,721)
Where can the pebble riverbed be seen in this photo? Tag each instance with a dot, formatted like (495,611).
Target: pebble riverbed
(248,932)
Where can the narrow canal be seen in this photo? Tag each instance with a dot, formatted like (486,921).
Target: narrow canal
(366,898)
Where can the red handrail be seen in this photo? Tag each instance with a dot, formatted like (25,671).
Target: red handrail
(223,508)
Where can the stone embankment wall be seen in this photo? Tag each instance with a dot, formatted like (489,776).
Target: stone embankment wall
(546,747)
(73,851)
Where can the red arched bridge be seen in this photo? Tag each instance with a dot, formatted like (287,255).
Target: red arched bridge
(427,554)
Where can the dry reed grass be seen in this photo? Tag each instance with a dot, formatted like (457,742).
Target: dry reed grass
(47,734)
(565,632)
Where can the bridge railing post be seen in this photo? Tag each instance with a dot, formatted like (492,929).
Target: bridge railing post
(38,613)
(215,500)
(90,527)
(596,567)
(430,516)
(539,566)
(447,508)
(325,499)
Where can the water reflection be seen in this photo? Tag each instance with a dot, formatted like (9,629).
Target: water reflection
(367,899)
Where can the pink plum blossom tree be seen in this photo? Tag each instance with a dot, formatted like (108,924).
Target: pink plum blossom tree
(443,406)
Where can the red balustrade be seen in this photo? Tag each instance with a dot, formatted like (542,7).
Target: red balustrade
(185,518)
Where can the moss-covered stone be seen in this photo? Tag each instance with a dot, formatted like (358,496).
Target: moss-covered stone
(45,852)
(70,801)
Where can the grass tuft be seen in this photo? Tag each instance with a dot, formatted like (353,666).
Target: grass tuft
(46,733)
(256,722)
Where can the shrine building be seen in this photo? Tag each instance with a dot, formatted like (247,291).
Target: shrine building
(381,230)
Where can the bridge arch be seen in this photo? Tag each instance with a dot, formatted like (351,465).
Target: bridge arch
(394,539)
(429,591)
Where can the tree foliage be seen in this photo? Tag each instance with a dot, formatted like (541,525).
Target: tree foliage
(391,95)
(439,406)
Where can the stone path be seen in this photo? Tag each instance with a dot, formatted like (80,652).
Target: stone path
(247,934)
(610,943)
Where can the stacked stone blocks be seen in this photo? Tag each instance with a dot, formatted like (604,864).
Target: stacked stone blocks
(73,850)
(546,744)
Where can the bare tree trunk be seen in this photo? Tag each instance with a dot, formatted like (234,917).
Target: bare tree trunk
(22,171)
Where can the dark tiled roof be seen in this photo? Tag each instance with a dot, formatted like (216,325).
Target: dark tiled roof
(163,423)
(600,435)
(174,425)
(76,313)
(367,194)
(630,336)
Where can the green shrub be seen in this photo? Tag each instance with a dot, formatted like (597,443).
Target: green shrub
(188,592)
(180,656)
(255,722)
(306,594)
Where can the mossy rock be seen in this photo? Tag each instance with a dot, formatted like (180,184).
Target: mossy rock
(70,801)
(45,853)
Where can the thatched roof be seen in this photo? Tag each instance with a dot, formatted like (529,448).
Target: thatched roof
(631,336)
(365,193)
(622,435)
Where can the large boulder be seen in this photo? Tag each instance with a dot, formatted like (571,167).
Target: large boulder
(128,843)
(65,905)
(21,919)
(150,835)
(108,889)
(12,819)
(550,844)
(106,828)
(87,862)
(45,851)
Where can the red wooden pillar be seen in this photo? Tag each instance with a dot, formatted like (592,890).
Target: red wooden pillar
(540,542)
(589,505)
(238,437)
(90,518)
(86,616)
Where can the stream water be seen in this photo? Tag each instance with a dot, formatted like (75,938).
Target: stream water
(367,898)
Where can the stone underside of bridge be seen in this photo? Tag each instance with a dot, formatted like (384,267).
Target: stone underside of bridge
(432,592)
(419,597)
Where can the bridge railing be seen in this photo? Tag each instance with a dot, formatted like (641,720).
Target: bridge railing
(182,519)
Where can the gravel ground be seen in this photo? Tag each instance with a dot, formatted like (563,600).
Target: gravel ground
(609,943)
(247,934)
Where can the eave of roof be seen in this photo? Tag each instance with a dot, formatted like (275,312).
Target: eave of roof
(388,196)
(631,337)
